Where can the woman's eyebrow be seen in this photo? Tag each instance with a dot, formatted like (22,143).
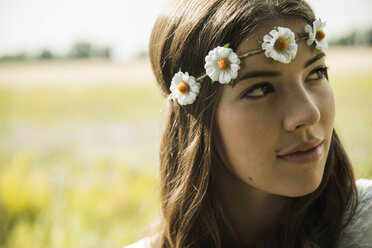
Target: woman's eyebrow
(317,57)
(253,74)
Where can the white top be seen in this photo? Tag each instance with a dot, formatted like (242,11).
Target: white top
(143,243)
(357,234)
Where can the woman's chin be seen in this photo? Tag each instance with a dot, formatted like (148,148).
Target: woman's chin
(303,189)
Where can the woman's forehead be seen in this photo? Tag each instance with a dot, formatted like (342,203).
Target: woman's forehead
(296,24)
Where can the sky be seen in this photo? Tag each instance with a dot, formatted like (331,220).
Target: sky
(124,25)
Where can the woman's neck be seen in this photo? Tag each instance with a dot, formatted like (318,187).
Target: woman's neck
(254,214)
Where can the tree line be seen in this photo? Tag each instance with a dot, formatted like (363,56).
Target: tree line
(79,50)
(354,38)
(85,50)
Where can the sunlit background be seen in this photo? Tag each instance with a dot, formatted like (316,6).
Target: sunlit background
(81,117)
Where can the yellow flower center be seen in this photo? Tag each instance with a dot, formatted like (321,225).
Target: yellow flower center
(183,88)
(223,64)
(281,44)
(320,35)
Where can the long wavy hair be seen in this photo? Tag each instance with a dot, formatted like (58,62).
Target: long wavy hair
(191,217)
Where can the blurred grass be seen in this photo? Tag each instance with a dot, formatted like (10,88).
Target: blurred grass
(78,166)
(354,119)
(130,104)
(55,195)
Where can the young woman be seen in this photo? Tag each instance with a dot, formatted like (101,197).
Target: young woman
(249,155)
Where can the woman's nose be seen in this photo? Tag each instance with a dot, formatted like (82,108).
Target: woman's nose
(301,110)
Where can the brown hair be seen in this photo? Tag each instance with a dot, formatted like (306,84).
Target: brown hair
(183,34)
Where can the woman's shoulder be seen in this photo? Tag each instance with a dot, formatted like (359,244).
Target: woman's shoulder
(358,233)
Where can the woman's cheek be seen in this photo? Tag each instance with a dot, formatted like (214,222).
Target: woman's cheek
(328,108)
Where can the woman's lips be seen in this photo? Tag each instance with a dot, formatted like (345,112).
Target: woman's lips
(309,156)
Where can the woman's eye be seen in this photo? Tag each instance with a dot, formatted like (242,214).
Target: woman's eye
(317,74)
(258,91)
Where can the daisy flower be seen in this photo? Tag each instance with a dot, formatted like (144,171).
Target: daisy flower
(222,65)
(280,45)
(317,34)
(184,88)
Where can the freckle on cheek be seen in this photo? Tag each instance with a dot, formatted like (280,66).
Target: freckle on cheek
(250,178)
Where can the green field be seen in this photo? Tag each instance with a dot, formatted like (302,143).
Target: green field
(58,188)
(78,167)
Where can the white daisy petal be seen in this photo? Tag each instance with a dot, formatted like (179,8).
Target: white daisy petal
(234,58)
(267,38)
(323,45)
(268,53)
(234,67)
(182,101)
(323,25)
(214,76)
(195,88)
(219,52)
(210,70)
(208,59)
(281,31)
(290,48)
(274,33)
(213,67)
(215,57)
(292,54)
(234,74)
(192,95)
(227,77)
(187,93)
(185,78)
(266,45)
(318,26)
(287,57)
(277,57)
(226,52)
(208,64)
(312,37)
(235,62)
(221,78)
(272,55)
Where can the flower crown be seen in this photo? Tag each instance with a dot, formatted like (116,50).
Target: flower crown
(222,64)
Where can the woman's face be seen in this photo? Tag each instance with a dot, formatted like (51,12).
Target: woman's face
(270,110)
